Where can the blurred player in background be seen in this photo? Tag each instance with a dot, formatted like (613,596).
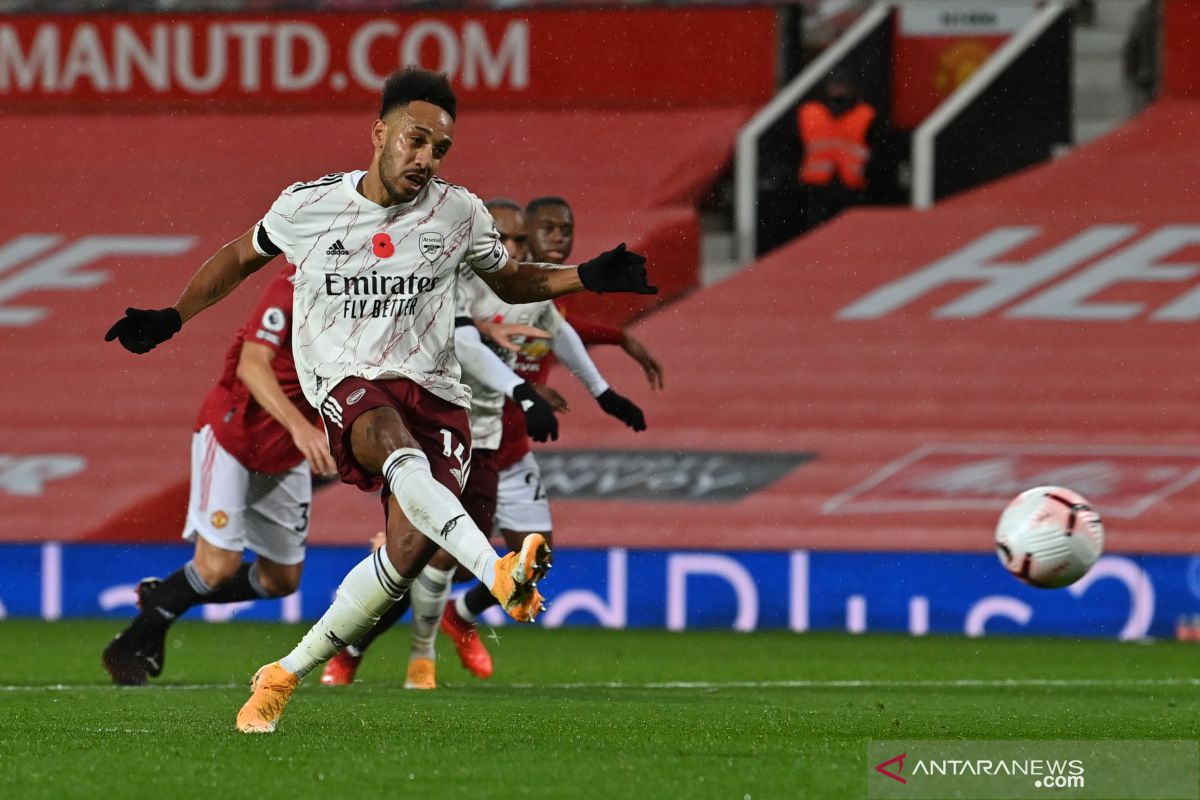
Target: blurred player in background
(378,255)
(522,506)
(256,439)
(550,229)
(507,483)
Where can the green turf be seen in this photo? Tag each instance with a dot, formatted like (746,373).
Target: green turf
(549,723)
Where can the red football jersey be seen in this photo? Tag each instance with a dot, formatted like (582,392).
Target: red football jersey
(514,441)
(239,423)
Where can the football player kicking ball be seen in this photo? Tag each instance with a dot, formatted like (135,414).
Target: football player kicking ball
(255,441)
(377,255)
(491,380)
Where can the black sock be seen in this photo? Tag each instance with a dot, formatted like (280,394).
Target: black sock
(479,599)
(389,618)
(174,595)
(242,585)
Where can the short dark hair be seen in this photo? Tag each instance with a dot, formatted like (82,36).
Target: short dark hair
(413,83)
(503,202)
(543,202)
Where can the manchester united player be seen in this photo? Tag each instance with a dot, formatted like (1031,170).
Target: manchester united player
(550,224)
(256,438)
(377,255)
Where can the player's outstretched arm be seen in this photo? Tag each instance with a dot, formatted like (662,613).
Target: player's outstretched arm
(141,330)
(568,347)
(649,364)
(220,275)
(616,270)
(595,333)
(254,369)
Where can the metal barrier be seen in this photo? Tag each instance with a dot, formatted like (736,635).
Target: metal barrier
(746,168)
(923,145)
(1037,113)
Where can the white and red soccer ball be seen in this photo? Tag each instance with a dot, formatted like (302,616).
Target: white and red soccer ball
(1049,537)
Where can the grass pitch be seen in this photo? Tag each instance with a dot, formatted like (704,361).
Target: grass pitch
(568,714)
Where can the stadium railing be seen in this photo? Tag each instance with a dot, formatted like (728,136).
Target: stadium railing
(1023,88)
(1035,61)
(746,169)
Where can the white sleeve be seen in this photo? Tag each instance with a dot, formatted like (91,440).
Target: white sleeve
(485,252)
(484,366)
(569,349)
(273,234)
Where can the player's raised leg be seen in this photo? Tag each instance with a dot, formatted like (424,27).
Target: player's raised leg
(460,620)
(479,500)
(381,442)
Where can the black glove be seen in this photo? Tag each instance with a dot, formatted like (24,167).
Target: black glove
(539,416)
(623,409)
(140,330)
(616,270)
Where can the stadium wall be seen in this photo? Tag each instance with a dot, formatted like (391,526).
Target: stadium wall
(668,58)
(800,590)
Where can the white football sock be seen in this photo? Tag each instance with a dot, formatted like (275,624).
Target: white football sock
(429,595)
(437,513)
(366,592)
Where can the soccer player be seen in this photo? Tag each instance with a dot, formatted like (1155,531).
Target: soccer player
(377,253)
(491,380)
(255,441)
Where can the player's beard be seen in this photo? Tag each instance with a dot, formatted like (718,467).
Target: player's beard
(385,169)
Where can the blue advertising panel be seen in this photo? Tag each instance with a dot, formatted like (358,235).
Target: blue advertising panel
(1126,597)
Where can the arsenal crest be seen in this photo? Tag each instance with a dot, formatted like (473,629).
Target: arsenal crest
(431,245)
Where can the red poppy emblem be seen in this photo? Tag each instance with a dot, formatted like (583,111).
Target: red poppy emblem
(381,245)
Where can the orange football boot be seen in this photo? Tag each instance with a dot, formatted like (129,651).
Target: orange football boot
(517,575)
(421,674)
(271,689)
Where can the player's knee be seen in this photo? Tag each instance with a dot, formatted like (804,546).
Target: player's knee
(279,582)
(215,571)
(377,434)
(442,560)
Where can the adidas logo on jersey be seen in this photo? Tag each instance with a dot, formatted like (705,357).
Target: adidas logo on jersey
(337,249)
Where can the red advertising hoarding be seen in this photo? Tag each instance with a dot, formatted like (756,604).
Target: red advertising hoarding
(527,59)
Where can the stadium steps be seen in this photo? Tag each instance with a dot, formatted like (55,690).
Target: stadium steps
(922,426)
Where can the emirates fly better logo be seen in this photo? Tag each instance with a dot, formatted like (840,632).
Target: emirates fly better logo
(1031,769)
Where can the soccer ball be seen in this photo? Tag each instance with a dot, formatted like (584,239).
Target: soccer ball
(1049,537)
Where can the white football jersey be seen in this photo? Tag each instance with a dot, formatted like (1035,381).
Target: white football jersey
(478,301)
(376,287)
